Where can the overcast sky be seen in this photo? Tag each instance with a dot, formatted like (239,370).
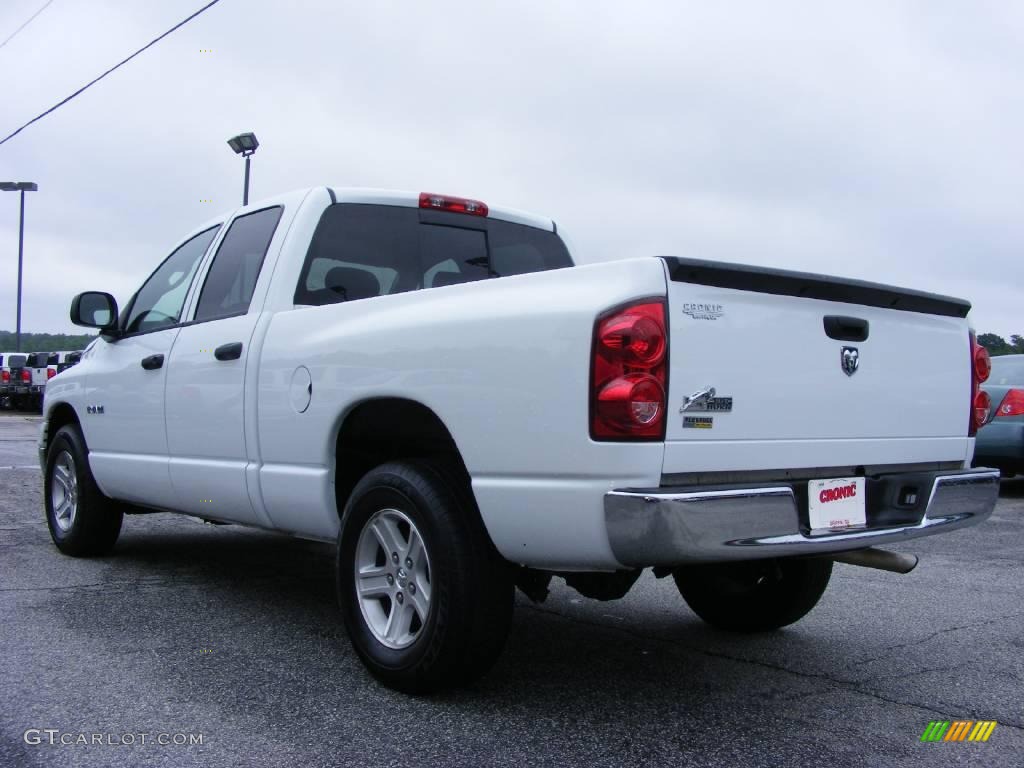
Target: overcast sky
(883,141)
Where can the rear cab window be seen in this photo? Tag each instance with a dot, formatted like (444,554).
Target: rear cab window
(361,251)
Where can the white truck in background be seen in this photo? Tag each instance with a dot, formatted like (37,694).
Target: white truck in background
(24,376)
(432,385)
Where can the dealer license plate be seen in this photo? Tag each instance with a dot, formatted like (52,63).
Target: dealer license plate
(836,504)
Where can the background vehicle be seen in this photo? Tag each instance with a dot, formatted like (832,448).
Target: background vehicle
(68,359)
(1000,443)
(16,378)
(34,376)
(5,379)
(425,381)
(24,385)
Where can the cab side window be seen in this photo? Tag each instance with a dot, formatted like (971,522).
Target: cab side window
(231,279)
(159,302)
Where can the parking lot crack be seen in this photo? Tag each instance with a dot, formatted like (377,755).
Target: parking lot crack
(105,584)
(931,636)
(839,683)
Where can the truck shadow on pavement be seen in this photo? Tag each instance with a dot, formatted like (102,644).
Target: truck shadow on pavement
(1012,488)
(289,584)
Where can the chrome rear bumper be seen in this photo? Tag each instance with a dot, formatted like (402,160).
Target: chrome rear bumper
(673,526)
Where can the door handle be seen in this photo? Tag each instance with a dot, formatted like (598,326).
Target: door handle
(231,351)
(153,362)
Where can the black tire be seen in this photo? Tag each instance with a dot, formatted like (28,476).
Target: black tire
(95,524)
(470,599)
(754,596)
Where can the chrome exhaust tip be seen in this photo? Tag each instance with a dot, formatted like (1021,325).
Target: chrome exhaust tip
(883,560)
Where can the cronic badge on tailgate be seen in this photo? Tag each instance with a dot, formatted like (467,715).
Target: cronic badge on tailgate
(850,360)
(703,311)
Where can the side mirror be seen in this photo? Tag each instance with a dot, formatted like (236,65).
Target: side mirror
(94,309)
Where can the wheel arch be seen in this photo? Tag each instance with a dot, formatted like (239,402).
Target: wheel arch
(60,415)
(384,429)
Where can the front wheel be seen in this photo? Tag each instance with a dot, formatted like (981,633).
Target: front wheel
(426,599)
(82,521)
(756,595)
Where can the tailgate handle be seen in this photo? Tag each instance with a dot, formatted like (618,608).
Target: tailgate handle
(843,328)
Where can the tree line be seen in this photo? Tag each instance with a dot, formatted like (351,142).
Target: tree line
(997,345)
(44,342)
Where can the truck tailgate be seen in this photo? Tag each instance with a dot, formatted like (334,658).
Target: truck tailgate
(810,371)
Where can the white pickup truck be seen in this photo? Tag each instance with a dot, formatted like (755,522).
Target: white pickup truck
(431,384)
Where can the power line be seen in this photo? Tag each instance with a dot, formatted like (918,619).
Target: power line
(116,66)
(30,18)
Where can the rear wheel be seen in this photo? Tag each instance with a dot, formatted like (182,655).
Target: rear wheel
(754,596)
(426,598)
(82,521)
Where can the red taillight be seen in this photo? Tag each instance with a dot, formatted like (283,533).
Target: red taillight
(981,403)
(453,204)
(5,377)
(1012,404)
(982,364)
(629,374)
(638,337)
(26,376)
(50,373)
(982,407)
(632,402)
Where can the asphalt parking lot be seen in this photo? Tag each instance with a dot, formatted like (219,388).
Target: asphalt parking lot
(233,634)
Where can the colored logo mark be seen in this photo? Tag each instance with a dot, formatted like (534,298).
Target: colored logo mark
(958,730)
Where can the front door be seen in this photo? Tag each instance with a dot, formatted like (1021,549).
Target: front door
(123,418)
(206,384)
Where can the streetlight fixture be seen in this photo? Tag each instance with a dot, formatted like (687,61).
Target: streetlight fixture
(244,144)
(22,187)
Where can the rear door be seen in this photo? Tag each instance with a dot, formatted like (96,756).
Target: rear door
(810,372)
(207,375)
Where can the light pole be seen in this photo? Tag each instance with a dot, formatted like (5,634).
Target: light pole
(23,187)
(244,144)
